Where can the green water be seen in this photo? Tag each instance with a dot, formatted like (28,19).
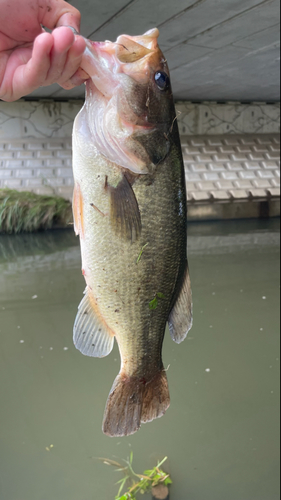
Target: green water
(221,433)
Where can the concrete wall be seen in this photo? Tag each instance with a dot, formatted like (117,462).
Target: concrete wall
(35,137)
(35,146)
(54,120)
(216,49)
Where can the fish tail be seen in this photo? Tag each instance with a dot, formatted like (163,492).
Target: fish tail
(156,400)
(132,401)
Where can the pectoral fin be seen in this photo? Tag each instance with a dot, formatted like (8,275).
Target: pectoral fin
(78,210)
(180,319)
(124,213)
(91,335)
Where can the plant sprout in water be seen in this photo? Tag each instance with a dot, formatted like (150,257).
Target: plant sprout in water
(138,483)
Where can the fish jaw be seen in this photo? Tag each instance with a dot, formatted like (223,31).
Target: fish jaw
(134,56)
(98,62)
(109,134)
(122,98)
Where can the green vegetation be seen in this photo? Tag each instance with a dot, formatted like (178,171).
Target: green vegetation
(138,483)
(141,252)
(28,212)
(154,303)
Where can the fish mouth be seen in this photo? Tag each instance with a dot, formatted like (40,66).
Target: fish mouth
(129,55)
(118,96)
(131,49)
(128,51)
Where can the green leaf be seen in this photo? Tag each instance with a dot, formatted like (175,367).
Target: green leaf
(141,252)
(168,481)
(153,304)
(148,472)
(161,295)
(144,483)
(162,462)
(122,484)
(123,480)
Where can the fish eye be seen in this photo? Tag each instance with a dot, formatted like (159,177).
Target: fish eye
(162,80)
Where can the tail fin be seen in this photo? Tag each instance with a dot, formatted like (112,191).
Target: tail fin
(132,401)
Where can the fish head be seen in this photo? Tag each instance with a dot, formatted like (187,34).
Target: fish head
(129,100)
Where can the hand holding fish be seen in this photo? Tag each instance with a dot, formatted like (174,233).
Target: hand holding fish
(29,56)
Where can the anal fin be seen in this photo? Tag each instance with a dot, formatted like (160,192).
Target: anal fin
(91,336)
(125,214)
(180,319)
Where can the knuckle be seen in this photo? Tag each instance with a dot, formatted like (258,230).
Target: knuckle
(77,14)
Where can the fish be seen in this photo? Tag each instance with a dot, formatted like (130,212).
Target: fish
(129,207)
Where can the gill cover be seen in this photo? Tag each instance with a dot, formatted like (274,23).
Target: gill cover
(129,116)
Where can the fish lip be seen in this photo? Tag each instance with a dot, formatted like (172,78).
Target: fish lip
(130,62)
(148,41)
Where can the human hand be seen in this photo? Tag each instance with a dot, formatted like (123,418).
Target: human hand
(29,56)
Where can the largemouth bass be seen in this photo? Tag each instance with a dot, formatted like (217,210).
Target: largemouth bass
(130,213)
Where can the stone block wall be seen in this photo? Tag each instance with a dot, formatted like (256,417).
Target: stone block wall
(37,165)
(35,137)
(35,146)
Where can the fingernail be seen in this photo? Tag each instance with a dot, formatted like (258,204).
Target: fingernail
(73,29)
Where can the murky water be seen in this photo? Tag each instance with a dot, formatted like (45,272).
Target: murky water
(221,433)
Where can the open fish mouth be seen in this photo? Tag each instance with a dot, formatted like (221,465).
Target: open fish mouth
(128,97)
(133,48)
(133,56)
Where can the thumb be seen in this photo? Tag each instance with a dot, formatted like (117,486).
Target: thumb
(58,13)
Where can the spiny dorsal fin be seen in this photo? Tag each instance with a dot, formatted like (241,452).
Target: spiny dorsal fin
(124,214)
(91,336)
(180,319)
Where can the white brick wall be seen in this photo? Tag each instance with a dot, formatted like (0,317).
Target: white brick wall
(215,169)
(226,173)
(36,149)
(44,167)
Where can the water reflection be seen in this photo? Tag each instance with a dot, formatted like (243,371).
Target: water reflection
(44,243)
(221,432)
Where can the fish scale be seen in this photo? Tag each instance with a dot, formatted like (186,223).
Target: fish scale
(132,228)
(131,297)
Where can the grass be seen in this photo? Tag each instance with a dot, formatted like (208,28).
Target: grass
(138,483)
(28,212)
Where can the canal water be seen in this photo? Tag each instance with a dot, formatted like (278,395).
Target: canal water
(221,434)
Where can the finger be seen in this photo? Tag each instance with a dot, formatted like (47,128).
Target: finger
(60,13)
(24,78)
(77,79)
(63,41)
(73,62)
